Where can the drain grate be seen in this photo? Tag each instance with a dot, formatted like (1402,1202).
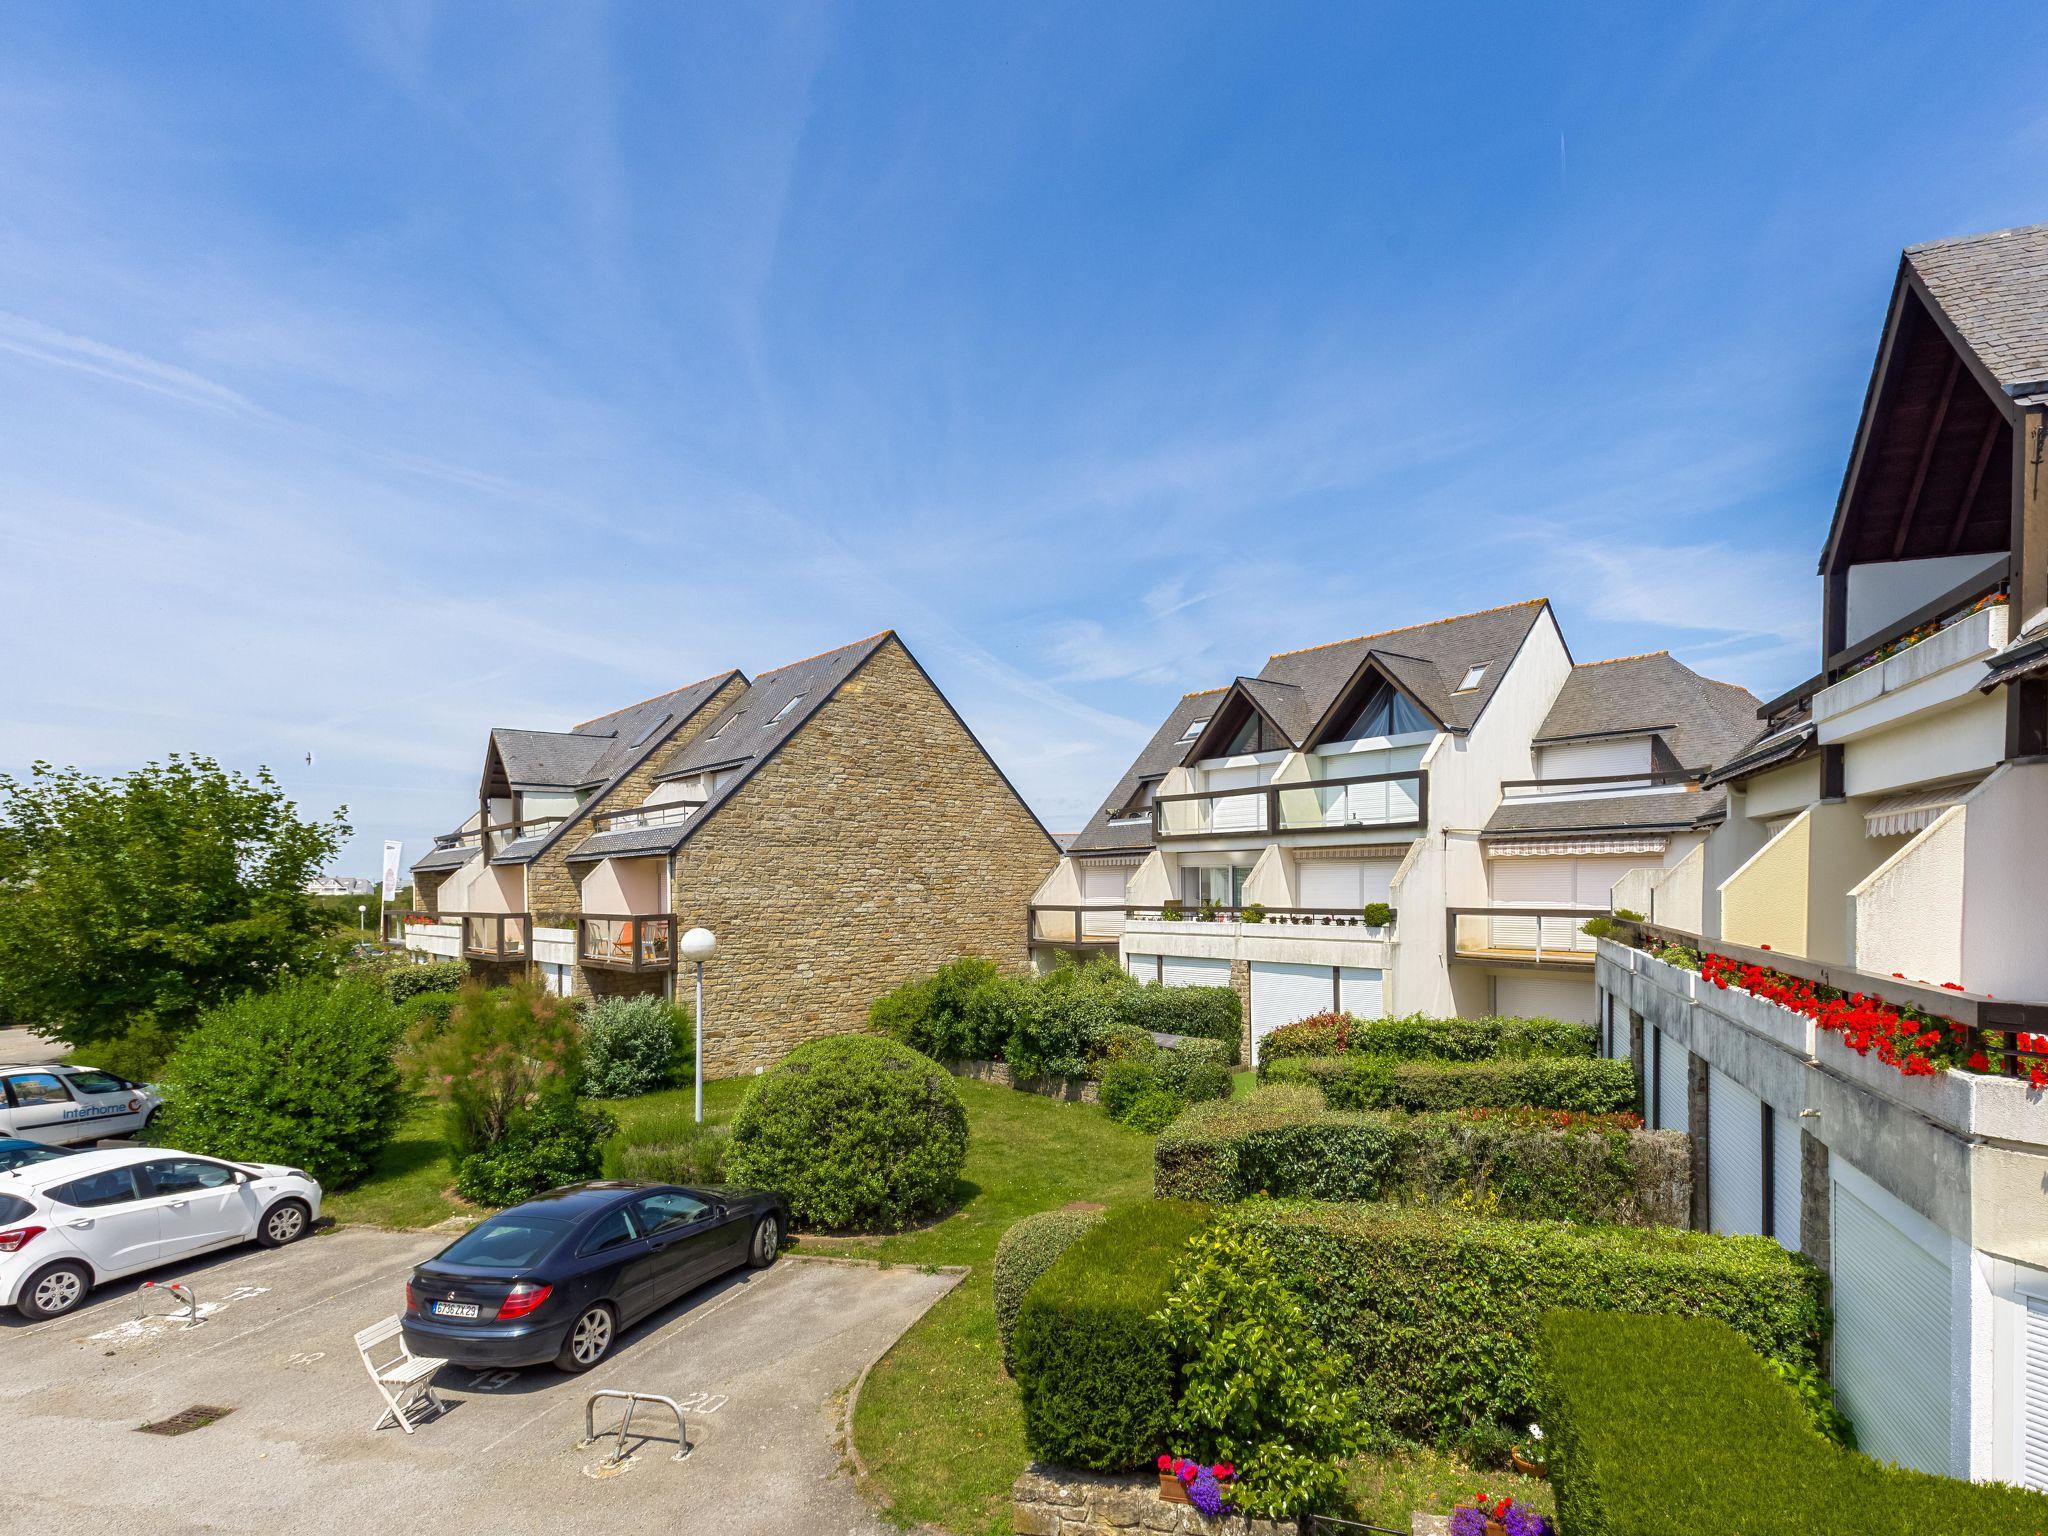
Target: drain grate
(185,1420)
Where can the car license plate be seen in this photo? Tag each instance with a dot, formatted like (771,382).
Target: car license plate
(455,1309)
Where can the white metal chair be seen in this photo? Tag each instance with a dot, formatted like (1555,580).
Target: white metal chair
(406,1381)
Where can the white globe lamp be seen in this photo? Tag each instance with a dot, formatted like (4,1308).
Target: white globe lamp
(696,947)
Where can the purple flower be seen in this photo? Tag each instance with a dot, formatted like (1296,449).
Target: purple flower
(1206,1494)
(1523,1521)
(1468,1520)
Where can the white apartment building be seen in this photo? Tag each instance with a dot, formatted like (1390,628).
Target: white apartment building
(1885,834)
(1463,773)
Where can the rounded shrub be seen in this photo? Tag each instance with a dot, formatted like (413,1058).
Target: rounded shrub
(854,1131)
(1153,1111)
(555,1144)
(1124,1083)
(1028,1250)
(302,1075)
(631,1045)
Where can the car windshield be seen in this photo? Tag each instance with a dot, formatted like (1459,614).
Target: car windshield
(22,1156)
(513,1240)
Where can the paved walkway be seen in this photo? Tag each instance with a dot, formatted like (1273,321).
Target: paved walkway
(765,1355)
(24,1048)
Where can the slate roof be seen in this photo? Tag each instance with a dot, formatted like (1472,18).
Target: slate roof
(444,858)
(2025,657)
(1429,660)
(1282,703)
(1781,742)
(1680,810)
(1702,721)
(1161,753)
(1994,290)
(743,738)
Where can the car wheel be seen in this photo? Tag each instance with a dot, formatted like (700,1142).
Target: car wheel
(767,1237)
(589,1339)
(149,1122)
(285,1222)
(54,1291)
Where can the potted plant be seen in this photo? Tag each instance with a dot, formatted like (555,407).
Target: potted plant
(1189,1482)
(1498,1517)
(1528,1460)
(1255,913)
(1377,914)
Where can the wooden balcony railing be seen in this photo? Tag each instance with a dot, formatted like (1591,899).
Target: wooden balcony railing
(641,943)
(506,833)
(1594,783)
(1521,935)
(1077,926)
(1364,802)
(673,814)
(495,935)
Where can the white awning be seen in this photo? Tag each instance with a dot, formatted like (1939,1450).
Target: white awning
(1898,815)
(1577,845)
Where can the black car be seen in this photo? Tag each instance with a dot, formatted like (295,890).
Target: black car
(557,1278)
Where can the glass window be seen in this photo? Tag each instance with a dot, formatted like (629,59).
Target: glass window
(32,1088)
(98,1082)
(1386,712)
(21,1154)
(614,1231)
(1140,802)
(1472,678)
(1194,729)
(782,714)
(114,1186)
(1247,737)
(509,1241)
(183,1175)
(664,1212)
(12,1209)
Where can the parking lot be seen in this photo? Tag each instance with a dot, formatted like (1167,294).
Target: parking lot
(762,1356)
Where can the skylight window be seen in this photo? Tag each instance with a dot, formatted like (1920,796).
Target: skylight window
(1471,679)
(783,713)
(1194,729)
(725,725)
(652,726)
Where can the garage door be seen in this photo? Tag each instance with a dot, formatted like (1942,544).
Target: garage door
(1522,995)
(1180,971)
(1144,967)
(1283,993)
(1361,993)
(1667,1060)
(1892,1305)
(2034,1385)
(1735,1156)
(1785,1178)
(1346,885)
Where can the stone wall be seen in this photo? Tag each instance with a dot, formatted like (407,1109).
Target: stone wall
(553,885)
(1072,1090)
(1241,984)
(426,889)
(1049,1501)
(877,845)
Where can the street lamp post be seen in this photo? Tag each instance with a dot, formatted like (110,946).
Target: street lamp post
(696,948)
(362,917)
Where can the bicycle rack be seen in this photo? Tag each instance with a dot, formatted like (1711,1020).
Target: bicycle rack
(179,1292)
(632,1400)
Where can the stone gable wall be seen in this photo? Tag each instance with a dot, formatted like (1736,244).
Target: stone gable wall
(878,844)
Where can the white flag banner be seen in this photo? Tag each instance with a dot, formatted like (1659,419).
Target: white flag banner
(391,870)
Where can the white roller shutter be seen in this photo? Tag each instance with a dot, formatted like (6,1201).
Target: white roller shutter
(1529,883)
(1144,967)
(1669,1061)
(1345,885)
(1360,992)
(1785,1179)
(1589,759)
(1238,813)
(1735,1156)
(1283,993)
(1182,971)
(1103,882)
(1891,1353)
(2034,1391)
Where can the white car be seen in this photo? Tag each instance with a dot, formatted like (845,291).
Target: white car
(61,1106)
(73,1222)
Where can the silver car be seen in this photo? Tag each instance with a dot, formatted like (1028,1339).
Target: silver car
(63,1106)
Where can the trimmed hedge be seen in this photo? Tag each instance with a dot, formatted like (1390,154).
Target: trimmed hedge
(1436,1310)
(854,1131)
(1668,1426)
(1028,1250)
(1417,1037)
(1211,1013)
(1095,1373)
(1587,1084)
(1283,1142)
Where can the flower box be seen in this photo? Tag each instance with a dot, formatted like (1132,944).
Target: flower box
(1171,1489)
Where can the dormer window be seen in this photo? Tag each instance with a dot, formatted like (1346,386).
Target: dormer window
(783,713)
(1247,737)
(1471,679)
(1194,729)
(1139,803)
(1386,712)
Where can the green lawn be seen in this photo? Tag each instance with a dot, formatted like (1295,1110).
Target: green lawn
(1388,1489)
(938,1424)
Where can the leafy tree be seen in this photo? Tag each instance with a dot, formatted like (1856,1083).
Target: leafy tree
(504,1054)
(132,903)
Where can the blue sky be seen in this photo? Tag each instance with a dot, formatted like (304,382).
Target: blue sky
(373,375)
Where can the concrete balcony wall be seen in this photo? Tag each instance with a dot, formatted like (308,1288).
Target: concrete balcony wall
(1793,893)
(1941,669)
(1909,910)
(2005,924)
(1275,940)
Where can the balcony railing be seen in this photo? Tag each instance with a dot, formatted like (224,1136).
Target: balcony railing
(506,833)
(1077,925)
(396,923)
(1366,802)
(1600,783)
(673,814)
(1522,935)
(627,943)
(495,935)
(473,838)
(1262,916)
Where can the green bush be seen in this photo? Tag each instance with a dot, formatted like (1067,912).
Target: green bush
(1416,1037)
(425,1014)
(694,1157)
(1125,1042)
(1259,1390)
(1061,1019)
(1163,1083)
(1669,1426)
(1436,1310)
(302,1075)
(556,1143)
(1588,1085)
(402,979)
(1209,1013)
(1027,1251)
(932,1014)
(1095,1373)
(505,1052)
(1283,1142)
(1153,1111)
(1123,1084)
(139,1054)
(631,1046)
(854,1131)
